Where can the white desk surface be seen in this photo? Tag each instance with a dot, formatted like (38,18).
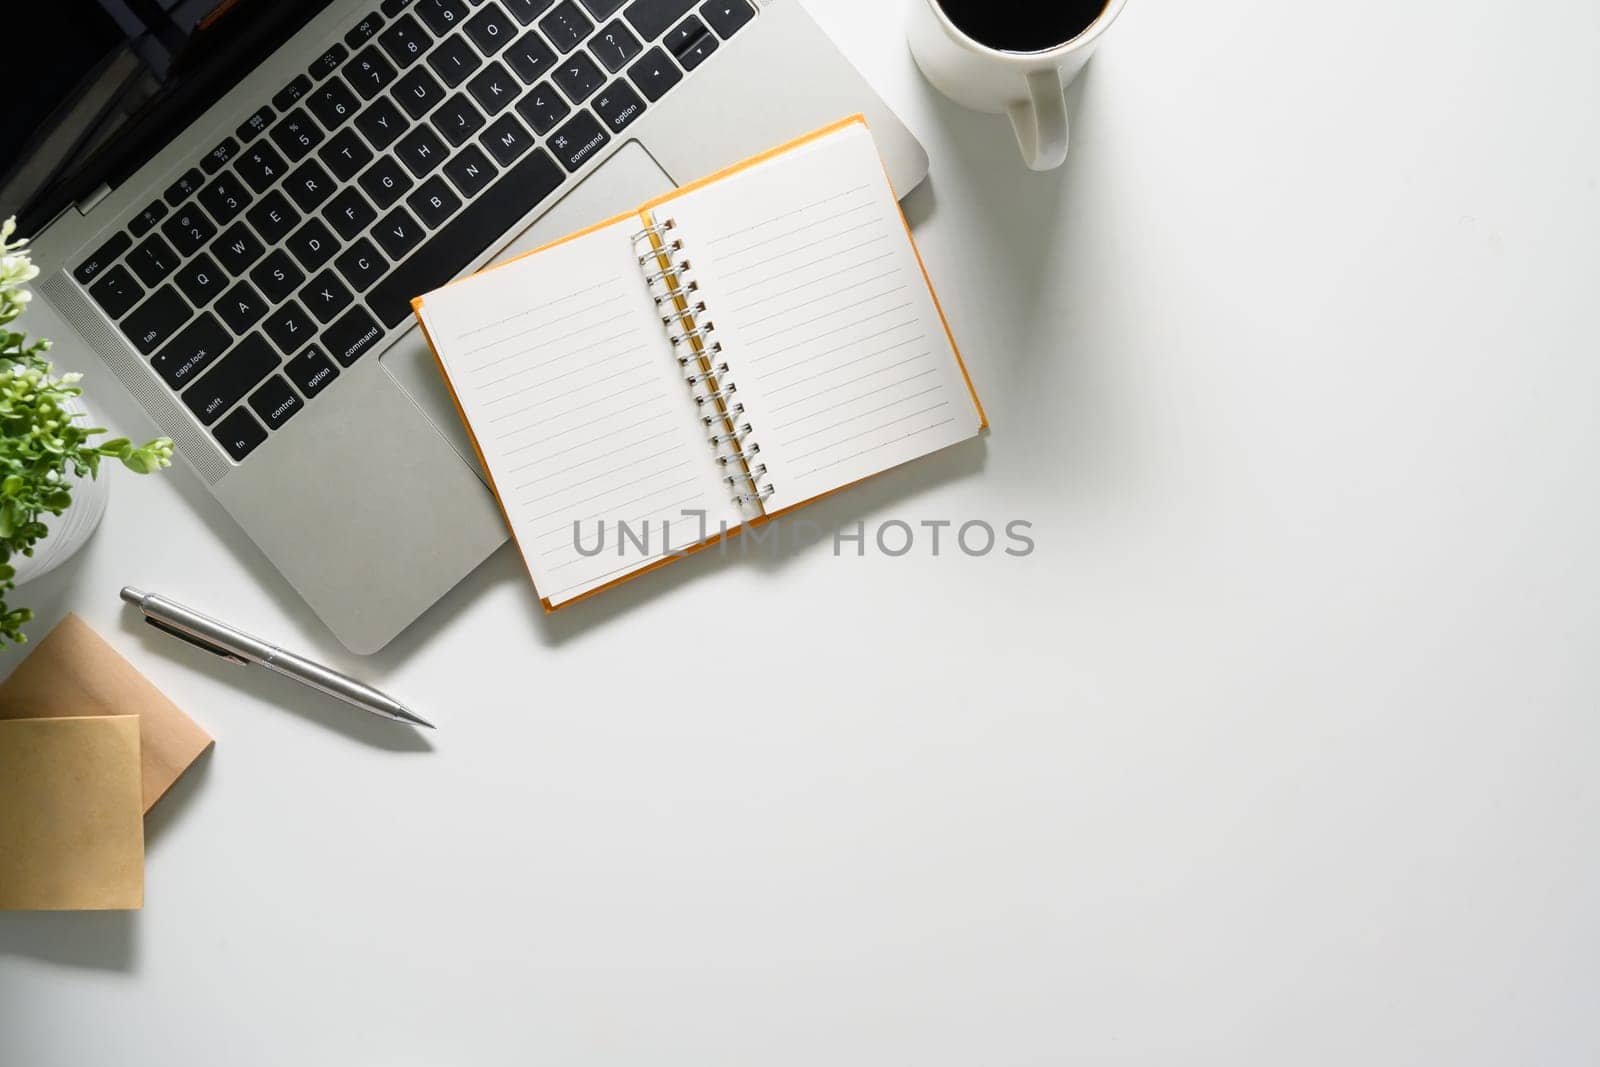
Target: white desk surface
(1279,749)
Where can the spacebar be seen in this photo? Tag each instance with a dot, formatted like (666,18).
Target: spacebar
(464,238)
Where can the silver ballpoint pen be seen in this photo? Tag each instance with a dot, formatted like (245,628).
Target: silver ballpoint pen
(223,640)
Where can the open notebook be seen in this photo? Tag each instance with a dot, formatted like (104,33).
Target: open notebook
(725,353)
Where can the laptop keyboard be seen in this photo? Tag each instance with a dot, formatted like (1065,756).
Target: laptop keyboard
(290,249)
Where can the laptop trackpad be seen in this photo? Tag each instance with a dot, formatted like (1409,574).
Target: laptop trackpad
(626,180)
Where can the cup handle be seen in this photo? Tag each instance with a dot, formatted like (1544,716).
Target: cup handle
(1040,121)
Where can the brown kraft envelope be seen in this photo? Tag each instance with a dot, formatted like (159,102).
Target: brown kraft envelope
(71,829)
(73,672)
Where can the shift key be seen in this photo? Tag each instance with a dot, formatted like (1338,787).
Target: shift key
(235,375)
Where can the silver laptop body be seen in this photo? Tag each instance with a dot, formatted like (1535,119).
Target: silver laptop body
(366,496)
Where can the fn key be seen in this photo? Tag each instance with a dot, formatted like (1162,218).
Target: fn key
(239,434)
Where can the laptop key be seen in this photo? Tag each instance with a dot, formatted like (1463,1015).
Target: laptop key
(369,72)
(255,125)
(345,154)
(194,349)
(241,307)
(219,156)
(152,260)
(691,42)
(116,291)
(381,123)
(530,57)
(275,403)
(618,105)
(312,245)
(525,11)
(385,182)
(405,41)
(103,257)
(421,150)
(329,61)
(201,280)
(230,378)
(615,45)
(478,226)
(260,166)
(454,61)
(579,139)
(156,320)
(272,217)
(566,26)
(289,327)
(144,221)
(350,337)
(392,8)
(418,92)
(349,213)
(188,229)
(494,89)
(236,249)
(579,77)
(361,265)
(457,119)
(326,296)
(433,202)
(696,53)
(543,107)
(727,16)
(398,233)
(655,74)
(333,104)
(442,16)
(309,185)
(506,139)
(277,276)
(296,134)
(225,197)
(290,94)
(603,9)
(650,18)
(490,30)
(311,371)
(470,170)
(188,183)
(239,434)
(363,31)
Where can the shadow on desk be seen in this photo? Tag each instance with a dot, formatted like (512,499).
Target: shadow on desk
(93,940)
(1016,219)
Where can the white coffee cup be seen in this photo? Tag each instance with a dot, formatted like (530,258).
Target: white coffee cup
(1030,87)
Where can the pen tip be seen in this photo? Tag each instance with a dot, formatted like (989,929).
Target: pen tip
(414,719)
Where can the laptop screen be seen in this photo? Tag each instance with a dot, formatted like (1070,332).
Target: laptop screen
(96,87)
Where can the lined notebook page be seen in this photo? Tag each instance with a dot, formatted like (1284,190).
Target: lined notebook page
(563,371)
(827,325)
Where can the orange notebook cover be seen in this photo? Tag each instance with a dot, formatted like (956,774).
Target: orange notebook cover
(719,356)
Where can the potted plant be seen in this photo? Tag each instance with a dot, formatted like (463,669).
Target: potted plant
(49,461)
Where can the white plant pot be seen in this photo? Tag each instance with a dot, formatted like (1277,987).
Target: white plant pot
(70,530)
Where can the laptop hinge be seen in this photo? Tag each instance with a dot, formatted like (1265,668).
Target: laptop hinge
(90,202)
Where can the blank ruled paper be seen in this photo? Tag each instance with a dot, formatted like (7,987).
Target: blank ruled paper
(594,435)
(562,368)
(827,323)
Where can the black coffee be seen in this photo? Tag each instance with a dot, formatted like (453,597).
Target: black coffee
(1022,25)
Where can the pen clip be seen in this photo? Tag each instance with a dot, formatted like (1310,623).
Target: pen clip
(184,635)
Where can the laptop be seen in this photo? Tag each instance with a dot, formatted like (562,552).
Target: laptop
(242,251)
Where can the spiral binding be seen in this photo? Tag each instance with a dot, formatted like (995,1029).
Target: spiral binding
(689,332)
